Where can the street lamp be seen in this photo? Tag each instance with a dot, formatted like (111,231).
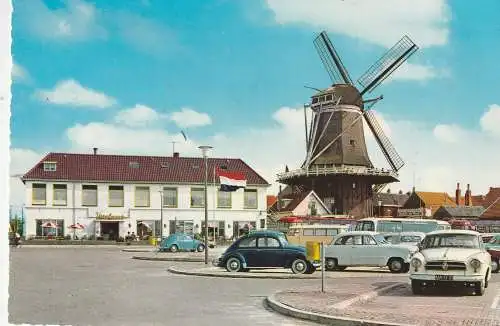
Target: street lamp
(161,214)
(204,151)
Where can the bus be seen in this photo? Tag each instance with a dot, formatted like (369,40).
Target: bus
(396,225)
(301,233)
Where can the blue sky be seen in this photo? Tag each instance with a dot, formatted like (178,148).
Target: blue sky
(231,73)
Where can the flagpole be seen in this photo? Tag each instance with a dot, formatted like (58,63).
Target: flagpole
(215,201)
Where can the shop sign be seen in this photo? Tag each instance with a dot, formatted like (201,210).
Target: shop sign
(108,217)
(409,212)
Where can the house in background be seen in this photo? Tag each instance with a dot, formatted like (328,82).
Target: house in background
(447,213)
(426,203)
(298,204)
(387,204)
(115,194)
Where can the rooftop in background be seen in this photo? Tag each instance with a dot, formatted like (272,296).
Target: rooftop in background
(142,169)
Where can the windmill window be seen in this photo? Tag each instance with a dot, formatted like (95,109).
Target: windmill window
(315,100)
(329,97)
(352,142)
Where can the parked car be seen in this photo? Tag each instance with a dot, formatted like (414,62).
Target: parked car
(495,259)
(265,249)
(493,242)
(181,242)
(366,248)
(451,257)
(410,239)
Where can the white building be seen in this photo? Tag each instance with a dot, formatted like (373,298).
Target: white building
(113,194)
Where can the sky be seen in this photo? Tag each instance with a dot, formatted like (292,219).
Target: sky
(129,76)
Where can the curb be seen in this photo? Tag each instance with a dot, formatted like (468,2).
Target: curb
(325,319)
(173,270)
(138,250)
(178,259)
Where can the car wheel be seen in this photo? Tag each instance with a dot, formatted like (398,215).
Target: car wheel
(200,248)
(174,248)
(330,264)
(233,264)
(416,287)
(495,267)
(299,266)
(396,265)
(480,288)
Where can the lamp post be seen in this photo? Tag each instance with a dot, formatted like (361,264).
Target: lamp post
(161,214)
(204,151)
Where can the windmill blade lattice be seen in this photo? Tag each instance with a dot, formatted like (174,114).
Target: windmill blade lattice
(384,67)
(331,60)
(383,141)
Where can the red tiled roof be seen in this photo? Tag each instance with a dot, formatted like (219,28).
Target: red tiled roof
(492,195)
(153,169)
(478,200)
(493,211)
(271,199)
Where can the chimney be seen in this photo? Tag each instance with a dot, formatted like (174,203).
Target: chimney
(458,193)
(278,203)
(176,154)
(95,150)
(467,195)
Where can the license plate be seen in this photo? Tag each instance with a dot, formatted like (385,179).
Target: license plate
(444,277)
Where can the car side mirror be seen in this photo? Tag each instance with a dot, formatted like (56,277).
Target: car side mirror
(419,246)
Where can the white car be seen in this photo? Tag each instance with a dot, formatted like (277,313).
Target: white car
(366,248)
(453,257)
(410,239)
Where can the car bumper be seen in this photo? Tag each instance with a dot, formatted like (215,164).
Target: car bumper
(431,278)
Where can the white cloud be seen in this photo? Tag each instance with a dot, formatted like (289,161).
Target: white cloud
(416,72)
(21,161)
(77,20)
(138,116)
(70,92)
(19,73)
(190,118)
(490,121)
(449,133)
(380,22)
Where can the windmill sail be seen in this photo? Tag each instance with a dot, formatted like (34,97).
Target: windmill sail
(389,151)
(331,60)
(384,67)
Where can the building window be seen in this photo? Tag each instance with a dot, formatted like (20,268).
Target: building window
(49,166)
(142,197)
(169,197)
(89,195)
(224,199)
(116,196)
(352,142)
(39,196)
(197,197)
(250,198)
(60,195)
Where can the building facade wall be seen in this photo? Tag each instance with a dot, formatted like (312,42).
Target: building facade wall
(129,214)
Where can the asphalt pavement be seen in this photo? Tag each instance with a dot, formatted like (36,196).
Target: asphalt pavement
(99,286)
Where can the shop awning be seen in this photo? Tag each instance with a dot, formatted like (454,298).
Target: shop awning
(290,219)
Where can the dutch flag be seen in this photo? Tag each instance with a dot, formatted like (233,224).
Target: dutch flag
(231,181)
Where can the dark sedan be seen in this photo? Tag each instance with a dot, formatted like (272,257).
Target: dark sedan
(265,249)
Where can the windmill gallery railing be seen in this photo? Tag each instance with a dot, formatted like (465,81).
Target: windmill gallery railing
(336,170)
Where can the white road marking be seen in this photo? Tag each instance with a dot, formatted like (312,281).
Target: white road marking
(494,304)
(363,297)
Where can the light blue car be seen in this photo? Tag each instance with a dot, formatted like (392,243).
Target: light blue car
(181,242)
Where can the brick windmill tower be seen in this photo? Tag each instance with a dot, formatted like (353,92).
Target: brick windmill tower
(337,166)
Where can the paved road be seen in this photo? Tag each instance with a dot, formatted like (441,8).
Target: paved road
(105,287)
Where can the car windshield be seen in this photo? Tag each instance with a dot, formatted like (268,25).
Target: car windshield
(380,239)
(451,241)
(410,238)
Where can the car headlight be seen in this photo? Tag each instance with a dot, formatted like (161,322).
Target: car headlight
(475,263)
(415,262)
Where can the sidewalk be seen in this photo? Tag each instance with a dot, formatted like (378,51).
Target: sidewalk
(388,303)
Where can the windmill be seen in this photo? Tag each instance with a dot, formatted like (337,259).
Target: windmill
(336,153)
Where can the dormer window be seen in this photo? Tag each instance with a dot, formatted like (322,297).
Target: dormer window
(49,166)
(134,165)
